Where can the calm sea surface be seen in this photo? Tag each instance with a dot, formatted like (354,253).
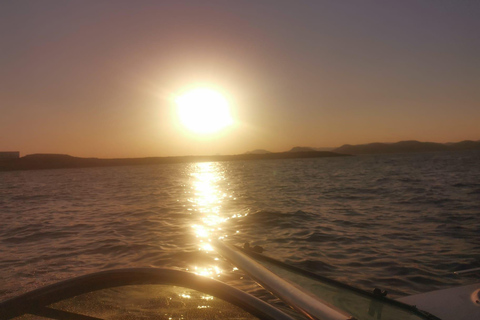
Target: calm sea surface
(399,222)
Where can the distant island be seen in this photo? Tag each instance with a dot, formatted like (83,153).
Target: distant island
(407,147)
(59,161)
(303,149)
(258,151)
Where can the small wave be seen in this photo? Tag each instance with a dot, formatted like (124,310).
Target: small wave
(30,197)
(279,219)
(320,237)
(409,180)
(466,185)
(39,236)
(278,214)
(352,213)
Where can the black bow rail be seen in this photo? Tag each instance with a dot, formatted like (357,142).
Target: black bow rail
(36,302)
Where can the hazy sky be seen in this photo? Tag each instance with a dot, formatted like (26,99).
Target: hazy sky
(98,78)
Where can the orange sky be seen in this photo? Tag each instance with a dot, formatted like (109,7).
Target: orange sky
(98,79)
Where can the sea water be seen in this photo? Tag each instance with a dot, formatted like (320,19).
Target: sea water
(402,222)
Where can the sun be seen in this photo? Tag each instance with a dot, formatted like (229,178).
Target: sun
(203,111)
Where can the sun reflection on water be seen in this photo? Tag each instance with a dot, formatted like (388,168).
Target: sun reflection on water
(206,201)
(209,199)
(208,194)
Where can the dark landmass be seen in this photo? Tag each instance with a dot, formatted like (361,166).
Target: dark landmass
(407,147)
(294,149)
(308,149)
(59,161)
(258,151)
(301,149)
(323,149)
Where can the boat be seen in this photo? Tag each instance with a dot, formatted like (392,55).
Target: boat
(318,297)
(158,293)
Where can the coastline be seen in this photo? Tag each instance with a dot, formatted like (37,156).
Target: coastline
(58,161)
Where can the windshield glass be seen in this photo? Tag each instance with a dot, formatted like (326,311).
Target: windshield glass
(151,302)
(361,306)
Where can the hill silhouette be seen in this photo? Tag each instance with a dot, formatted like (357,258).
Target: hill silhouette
(258,151)
(308,149)
(301,149)
(407,147)
(59,161)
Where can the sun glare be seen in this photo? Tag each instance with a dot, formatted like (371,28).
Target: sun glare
(203,111)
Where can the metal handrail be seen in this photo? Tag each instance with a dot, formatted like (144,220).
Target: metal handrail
(38,299)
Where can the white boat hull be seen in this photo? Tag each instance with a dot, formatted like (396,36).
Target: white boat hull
(459,303)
